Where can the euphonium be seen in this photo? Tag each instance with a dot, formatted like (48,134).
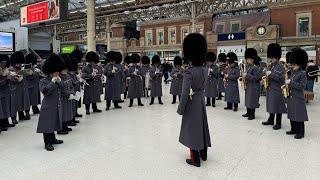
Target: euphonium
(285,89)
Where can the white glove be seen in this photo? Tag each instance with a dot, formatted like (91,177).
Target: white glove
(20,79)
(135,73)
(37,70)
(211,70)
(288,81)
(71,97)
(113,71)
(54,79)
(268,73)
(94,73)
(244,75)
(58,79)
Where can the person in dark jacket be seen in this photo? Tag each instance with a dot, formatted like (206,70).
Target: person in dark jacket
(92,76)
(50,119)
(211,91)
(312,75)
(32,82)
(156,79)
(251,79)
(135,87)
(232,96)
(19,93)
(194,132)
(145,70)
(4,93)
(177,79)
(276,77)
(222,64)
(112,89)
(297,110)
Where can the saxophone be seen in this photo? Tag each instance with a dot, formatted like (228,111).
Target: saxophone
(265,79)
(242,79)
(285,88)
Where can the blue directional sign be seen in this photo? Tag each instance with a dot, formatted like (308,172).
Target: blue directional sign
(232,36)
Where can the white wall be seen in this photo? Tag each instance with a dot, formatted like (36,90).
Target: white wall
(21,33)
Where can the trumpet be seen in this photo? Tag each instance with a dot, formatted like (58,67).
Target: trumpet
(285,89)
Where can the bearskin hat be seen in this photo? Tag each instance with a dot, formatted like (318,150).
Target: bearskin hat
(185,61)
(31,59)
(222,57)
(17,58)
(250,53)
(52,64)
(288,57)
(156,59)
(274,51)
(4,58)
(177,61)
(145,60)
(195,49)
(66,61)
(232,58)
(77,55)
(211,57)
(257,61)
(118,57)
(300,57)
(135,58)
(127,60)
(110,56)
(92,57)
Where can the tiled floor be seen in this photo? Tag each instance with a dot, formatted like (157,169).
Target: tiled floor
(142,143)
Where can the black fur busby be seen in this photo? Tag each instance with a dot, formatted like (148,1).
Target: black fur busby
(232,58)
(17,58)
(92,57)
(118,57)
(186,62)
(77,55)
(195,49)
(257,61)
(211,57)
(156,60)
(31,59)
(145,60)
(135,58)
(300,57)
(274,51)
(4,59)
(127,60)
(250,53)
(110,56)
(222,57)
(66,61)
(288,57)
(177,61)
(53,64)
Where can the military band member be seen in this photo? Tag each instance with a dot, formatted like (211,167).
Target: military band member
(275,74)
(156,75)
(211,90)
(112,89)
(33,75)
(126,63)
(20,101)
(232,96)
(297,111)
(73,73)
(4,94)
(222,63)
(50,119)
(92,76)
(145,70)
(177,79)
(257,63)
(251,79)
(121,74)
(194,132)
(135,88)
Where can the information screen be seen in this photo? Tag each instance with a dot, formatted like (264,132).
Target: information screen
(6,42)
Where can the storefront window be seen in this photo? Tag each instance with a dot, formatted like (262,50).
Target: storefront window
(172,36)
(160,38)
(235,27)
(149,38)
(184,32)
(219,28)
(303,26)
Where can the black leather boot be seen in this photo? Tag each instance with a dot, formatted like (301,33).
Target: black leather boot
(139,102)
(247,114)
(131,103)
(252,114)
(160,100)
(208,102)
(152,101)
(270,120)
(194,158)
(95,108)
(174,99)
(278,122)
(35,110)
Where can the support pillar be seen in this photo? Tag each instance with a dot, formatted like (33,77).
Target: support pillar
(91,26)
(193,16)
(108,29)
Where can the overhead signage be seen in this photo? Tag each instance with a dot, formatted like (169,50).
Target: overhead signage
(232,36)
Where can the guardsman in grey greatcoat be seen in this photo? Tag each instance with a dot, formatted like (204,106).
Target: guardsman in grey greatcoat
(232,96)
(211,91)
(121,74)
(194,132)
(135,89)
(222,63)
(73,73)
(50,119)
(92,76)
(33,75)
(251,80)
(156,75)
(297,110)
(113,83)
(19,92)
(126,63)
(145,70)
(177,79)
(275,74)
(4,94)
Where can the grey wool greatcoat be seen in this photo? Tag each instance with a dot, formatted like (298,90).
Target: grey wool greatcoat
(176,83)
(232,86)
(122,77)
(211,90)
(20,100)
(297,110)
(66,90)
(4,97)
(194,132)
(252,90)
(32,82)
(113,84)
(135,89)
(144,70)
(275,99)
(50,119)
(156,81)
(92,89)
(76,87)
(221,86)
(99,77)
